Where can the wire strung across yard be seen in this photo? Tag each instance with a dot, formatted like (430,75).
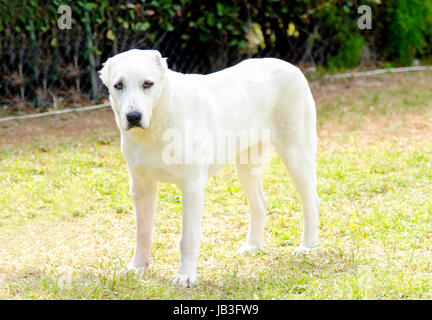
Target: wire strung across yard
(334,76)
(375,72)
(50,113)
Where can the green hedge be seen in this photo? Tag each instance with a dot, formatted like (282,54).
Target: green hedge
(197,36)
(402,29)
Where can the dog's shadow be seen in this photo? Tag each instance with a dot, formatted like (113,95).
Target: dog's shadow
(274,269)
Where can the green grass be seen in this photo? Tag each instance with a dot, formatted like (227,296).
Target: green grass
(67,224)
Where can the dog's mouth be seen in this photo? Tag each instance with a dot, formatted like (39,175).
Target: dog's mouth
(137,126)
(134,126)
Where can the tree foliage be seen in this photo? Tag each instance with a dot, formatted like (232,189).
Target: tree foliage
(199,36)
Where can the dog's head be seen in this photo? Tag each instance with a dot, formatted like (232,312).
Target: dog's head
(135,81)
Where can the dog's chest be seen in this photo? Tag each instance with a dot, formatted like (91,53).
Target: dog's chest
(151,160)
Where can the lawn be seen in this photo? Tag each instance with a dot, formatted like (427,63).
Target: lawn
(67,225)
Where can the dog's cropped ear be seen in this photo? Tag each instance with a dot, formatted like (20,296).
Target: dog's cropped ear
(104,73)
(161,61)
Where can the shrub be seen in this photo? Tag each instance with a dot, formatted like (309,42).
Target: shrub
(349,55)
(410,29)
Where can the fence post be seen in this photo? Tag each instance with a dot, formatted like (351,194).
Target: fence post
(92,60)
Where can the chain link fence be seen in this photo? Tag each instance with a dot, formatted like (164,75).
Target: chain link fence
(48,67)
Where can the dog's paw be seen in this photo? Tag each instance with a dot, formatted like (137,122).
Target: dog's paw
(305,249)
(137,268)
(184,280)
(248,249)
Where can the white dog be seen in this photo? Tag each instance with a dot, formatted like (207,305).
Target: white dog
(265,95)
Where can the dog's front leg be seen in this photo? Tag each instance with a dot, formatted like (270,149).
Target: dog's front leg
(143,191)
(193,201)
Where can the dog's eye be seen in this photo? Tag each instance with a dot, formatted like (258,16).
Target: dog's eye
(118,85)
(147,84)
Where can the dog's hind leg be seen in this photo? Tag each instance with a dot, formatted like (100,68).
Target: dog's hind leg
(250,178)
(296,141)
(300,163)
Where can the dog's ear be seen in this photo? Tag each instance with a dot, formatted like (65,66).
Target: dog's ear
(161,61)
(104,72)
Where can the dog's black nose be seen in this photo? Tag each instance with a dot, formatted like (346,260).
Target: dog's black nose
(134,118)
